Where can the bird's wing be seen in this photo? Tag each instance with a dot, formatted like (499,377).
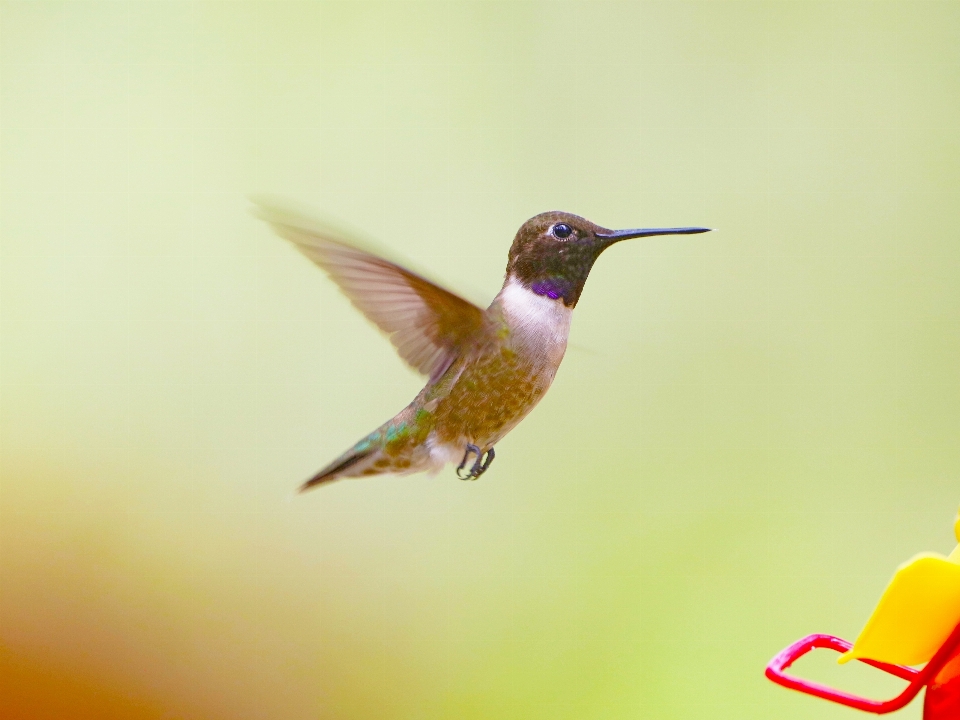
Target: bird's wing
(427,324)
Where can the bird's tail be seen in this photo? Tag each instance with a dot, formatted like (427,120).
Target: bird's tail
(358,460)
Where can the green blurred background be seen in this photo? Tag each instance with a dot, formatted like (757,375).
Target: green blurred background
(753,428)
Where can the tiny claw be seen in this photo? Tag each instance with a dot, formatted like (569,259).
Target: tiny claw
(480,468)
(480,465)
(463,463)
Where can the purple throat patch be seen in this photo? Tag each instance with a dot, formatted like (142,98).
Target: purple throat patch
(547,287)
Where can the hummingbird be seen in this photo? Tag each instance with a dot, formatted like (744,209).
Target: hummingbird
(486,369)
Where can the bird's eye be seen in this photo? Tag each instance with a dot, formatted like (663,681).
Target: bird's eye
(562,231)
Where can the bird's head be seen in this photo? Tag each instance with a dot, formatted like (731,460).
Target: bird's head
(553,252)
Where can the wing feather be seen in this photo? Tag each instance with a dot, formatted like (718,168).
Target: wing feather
(429,326)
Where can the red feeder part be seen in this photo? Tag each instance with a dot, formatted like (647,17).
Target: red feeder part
(941,675)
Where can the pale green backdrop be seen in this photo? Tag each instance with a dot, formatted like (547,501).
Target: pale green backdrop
(753,428)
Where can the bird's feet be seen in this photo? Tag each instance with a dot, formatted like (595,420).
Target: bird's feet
(479,467)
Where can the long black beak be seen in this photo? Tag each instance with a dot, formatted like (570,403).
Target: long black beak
(616,235)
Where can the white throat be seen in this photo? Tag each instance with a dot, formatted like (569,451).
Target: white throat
(535,316)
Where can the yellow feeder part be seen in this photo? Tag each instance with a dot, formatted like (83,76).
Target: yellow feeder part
(916,613)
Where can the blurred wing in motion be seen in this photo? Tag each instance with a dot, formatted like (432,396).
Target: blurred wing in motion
(427,324)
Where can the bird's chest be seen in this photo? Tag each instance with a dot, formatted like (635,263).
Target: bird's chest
(492,393)
(497,387)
